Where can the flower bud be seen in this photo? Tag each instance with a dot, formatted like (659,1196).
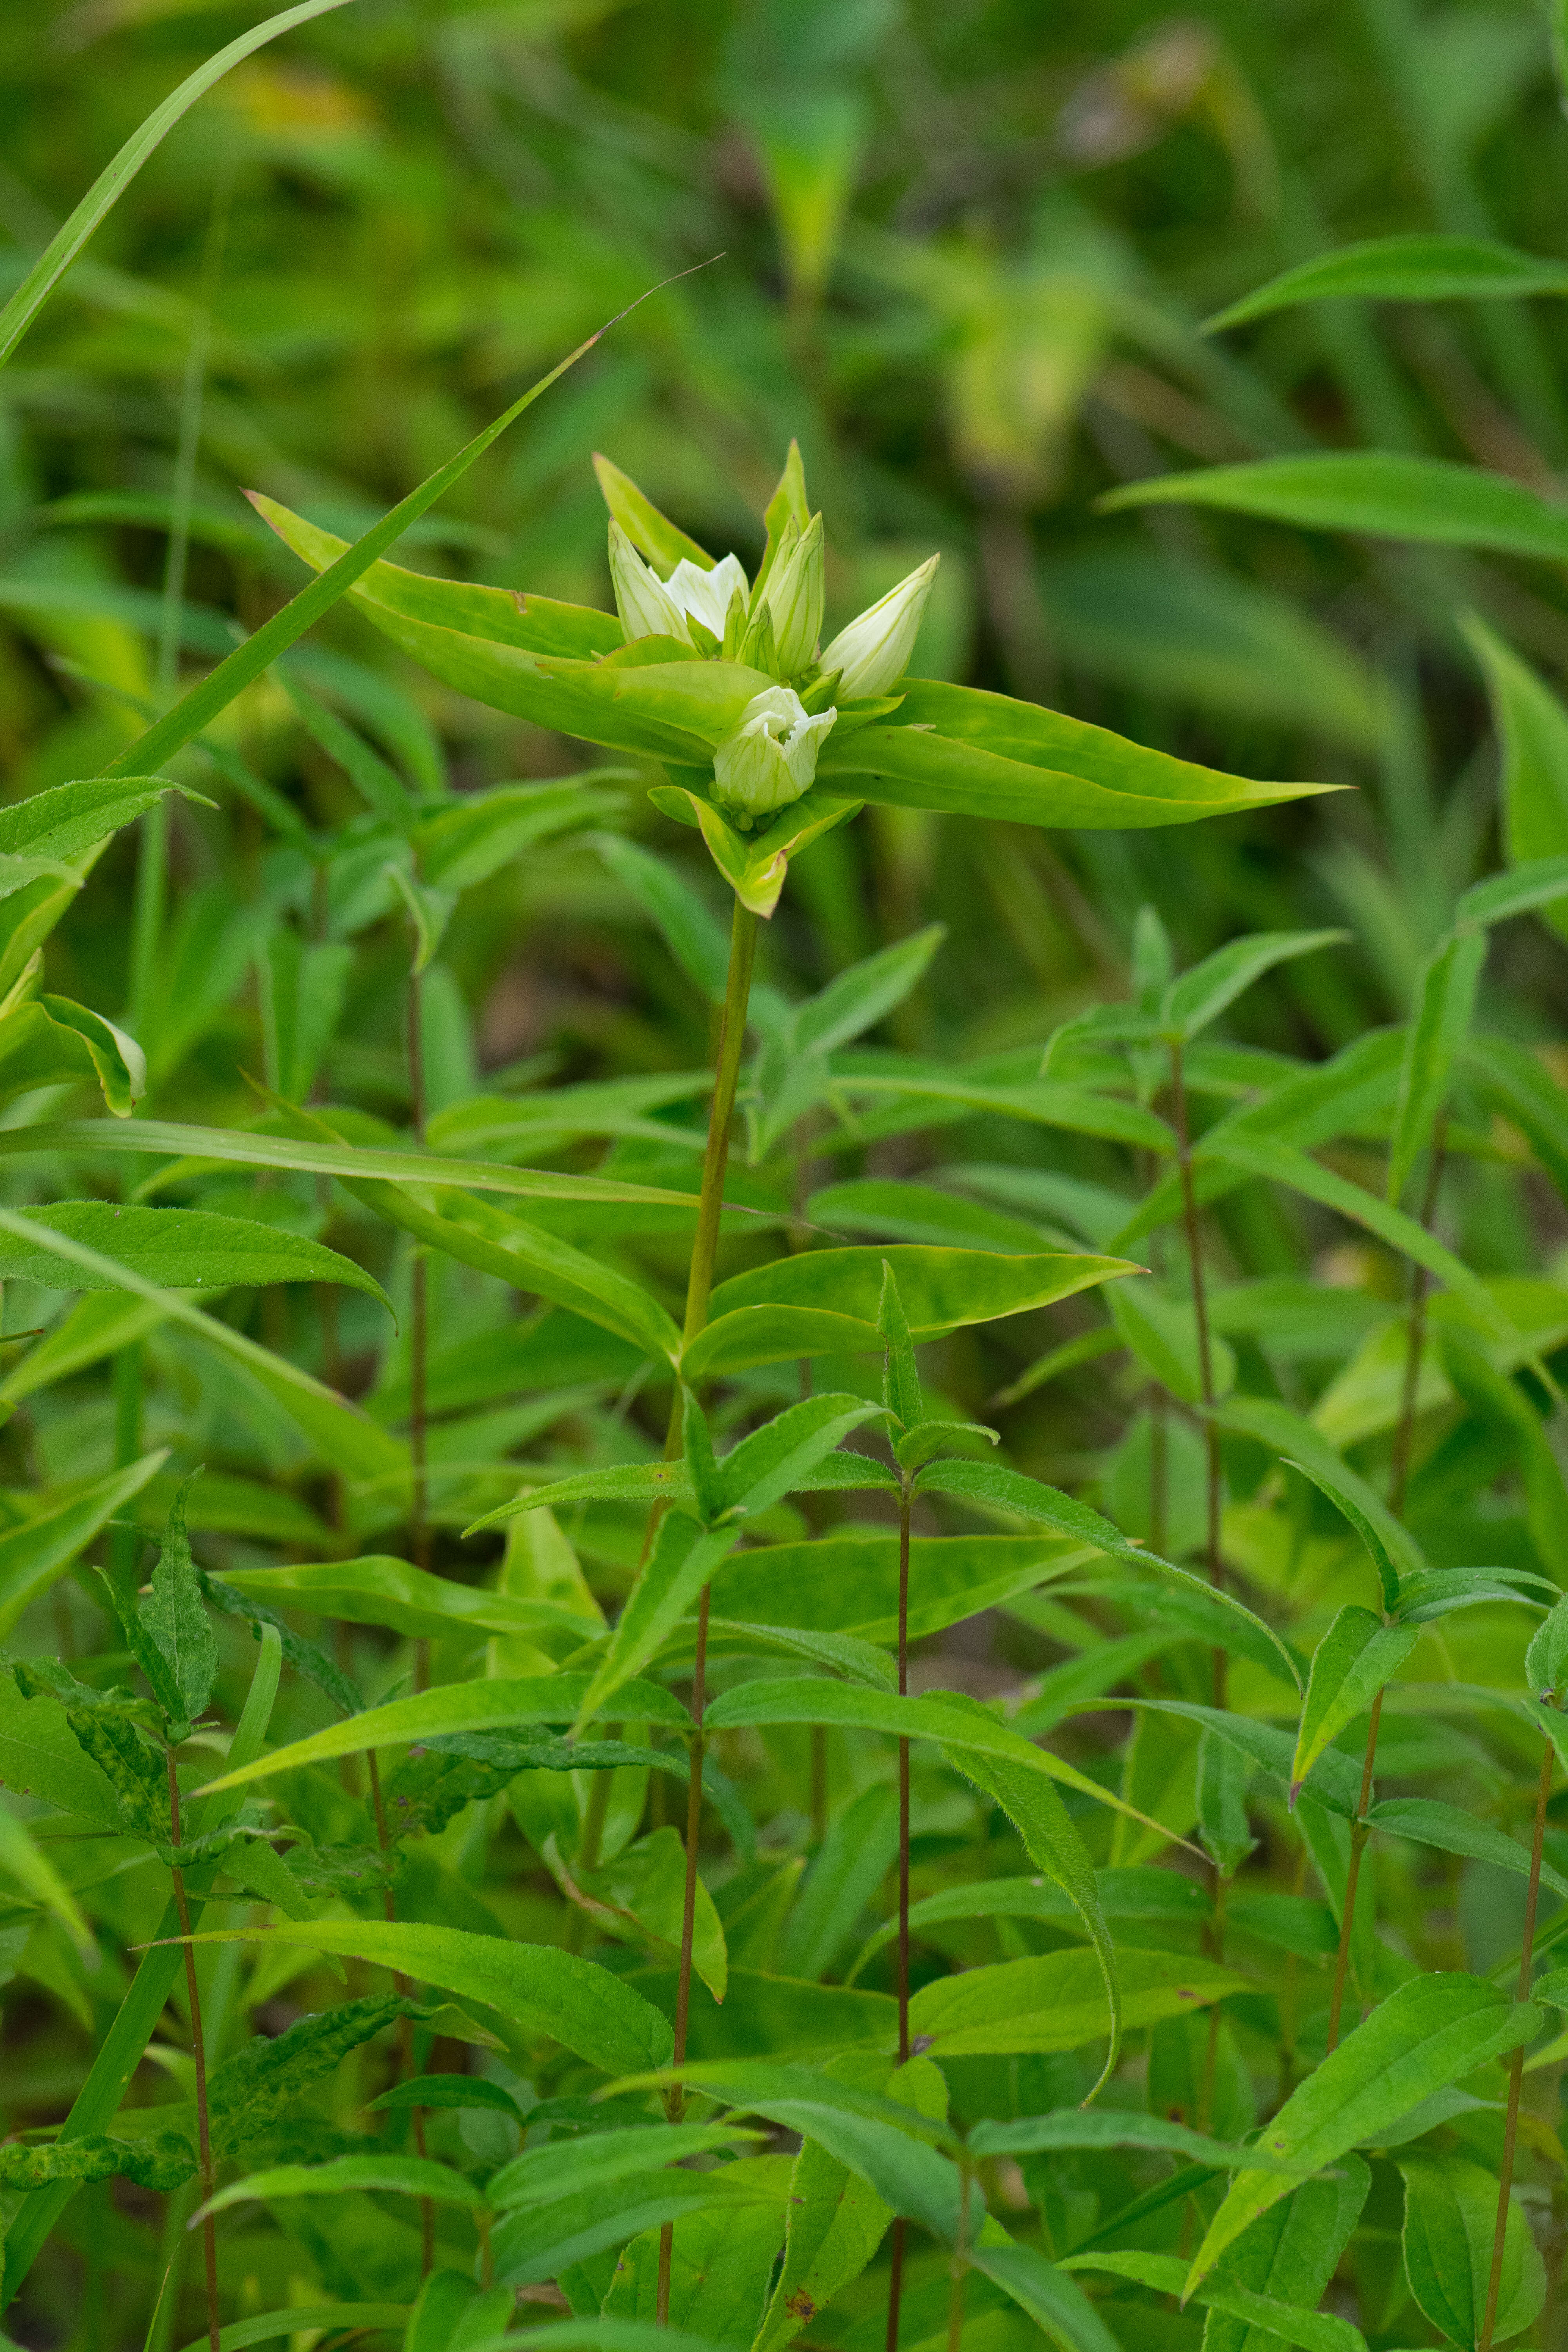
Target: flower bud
(795,596)
(646,607)
(873,653)
(770,758)
(706,596)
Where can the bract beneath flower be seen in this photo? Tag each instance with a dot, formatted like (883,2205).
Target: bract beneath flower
(770,758)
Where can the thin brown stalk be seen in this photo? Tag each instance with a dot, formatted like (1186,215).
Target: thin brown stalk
(401,1985)
(698,1290)
(1206,1349)
(1360,1832)
(198,2053)
(1516,2064)
(896,2266)
(418,1334)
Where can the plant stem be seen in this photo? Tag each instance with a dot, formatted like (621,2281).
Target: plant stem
(1419,1284)
(418,1332)
(1516,2064)
(896,2263)
(1360,1832)
(198,2051)
(402,1987)
(699,1289)
(1206,1351)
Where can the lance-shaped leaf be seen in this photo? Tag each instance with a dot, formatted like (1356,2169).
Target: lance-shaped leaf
(1058,2002)
(1445,1002)
(1277,2322)
(535,2243)
(949,1717)
(560,2169)
(1538,882)
(69,820)
(900,1375)
(846,1581)
(549,1993)
(163,2161)
(185,1249)
(828,1301)
(465,844)
(1290,2253)
(447,2092)
(254,2088)
(1402,269)
(1202,994)
(382,1590)
(1339,1493)
(1532,730)
(402,2176)
(1432,2032)
(1373,492)
(1053,2299)
(1054,1845)
(37,1551)
(174,1611)
(490,1705)
(23,1860)
(1546,1659)
(1223,1831)
(1071,2128)
(986,1485)
(1428,1821)
(1356,1657)
(306,1657)
(1450,2219)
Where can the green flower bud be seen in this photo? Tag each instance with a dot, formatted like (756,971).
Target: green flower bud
(770,758)
(795,596)
(873,653)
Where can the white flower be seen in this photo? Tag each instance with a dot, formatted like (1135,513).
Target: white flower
(652,607)
(795,596)
(873,653)
(770,758)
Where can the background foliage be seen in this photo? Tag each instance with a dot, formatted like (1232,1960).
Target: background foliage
(965,251)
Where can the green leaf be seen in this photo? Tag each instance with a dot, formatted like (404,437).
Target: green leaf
(1546,1659)
(1105,2128)
(1355,1658)
(304,1656)
(846,1581)
(1223,1831)
(241,2333)
(1162,1333)
(489,1705)
(1402,269)
(380,1590)
(836,2222)
(941,1290)
(174,1611)
(535,2243)
(618,1482)
(1450,2217)
(464,845)
(1453,1830)
(1537,883)
(453,2314)
(23,1860)
(1373,492)
(549,1994)
(692,934)
(1301,1444)
(1058,2002)
(772,1460)
(562,2168)
(1509,1078)
(1054,2301)
(1054,1845)
(844,1876)
(952,747)
(403,2175)
(1532,731)
(69,820)
(652,534)
(900,1375)
(1432,2032)
(251,2090)
(163,2161)
(1202,994)
(1313,2331)
(1288,2254)
(669,1583)
(1445,1004)
(141,1638)
(1501,1403)
(987,1485)
(37,1551)
(326,1156)
(111,183)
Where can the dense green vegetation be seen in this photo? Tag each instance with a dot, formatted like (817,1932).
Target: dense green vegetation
(782,1496)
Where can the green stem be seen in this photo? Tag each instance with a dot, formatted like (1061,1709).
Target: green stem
(1516,2065)
(698,1290)
(1360,1832)
(198,2051)
(1206,1351)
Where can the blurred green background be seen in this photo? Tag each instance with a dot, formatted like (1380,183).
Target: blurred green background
(964,248)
